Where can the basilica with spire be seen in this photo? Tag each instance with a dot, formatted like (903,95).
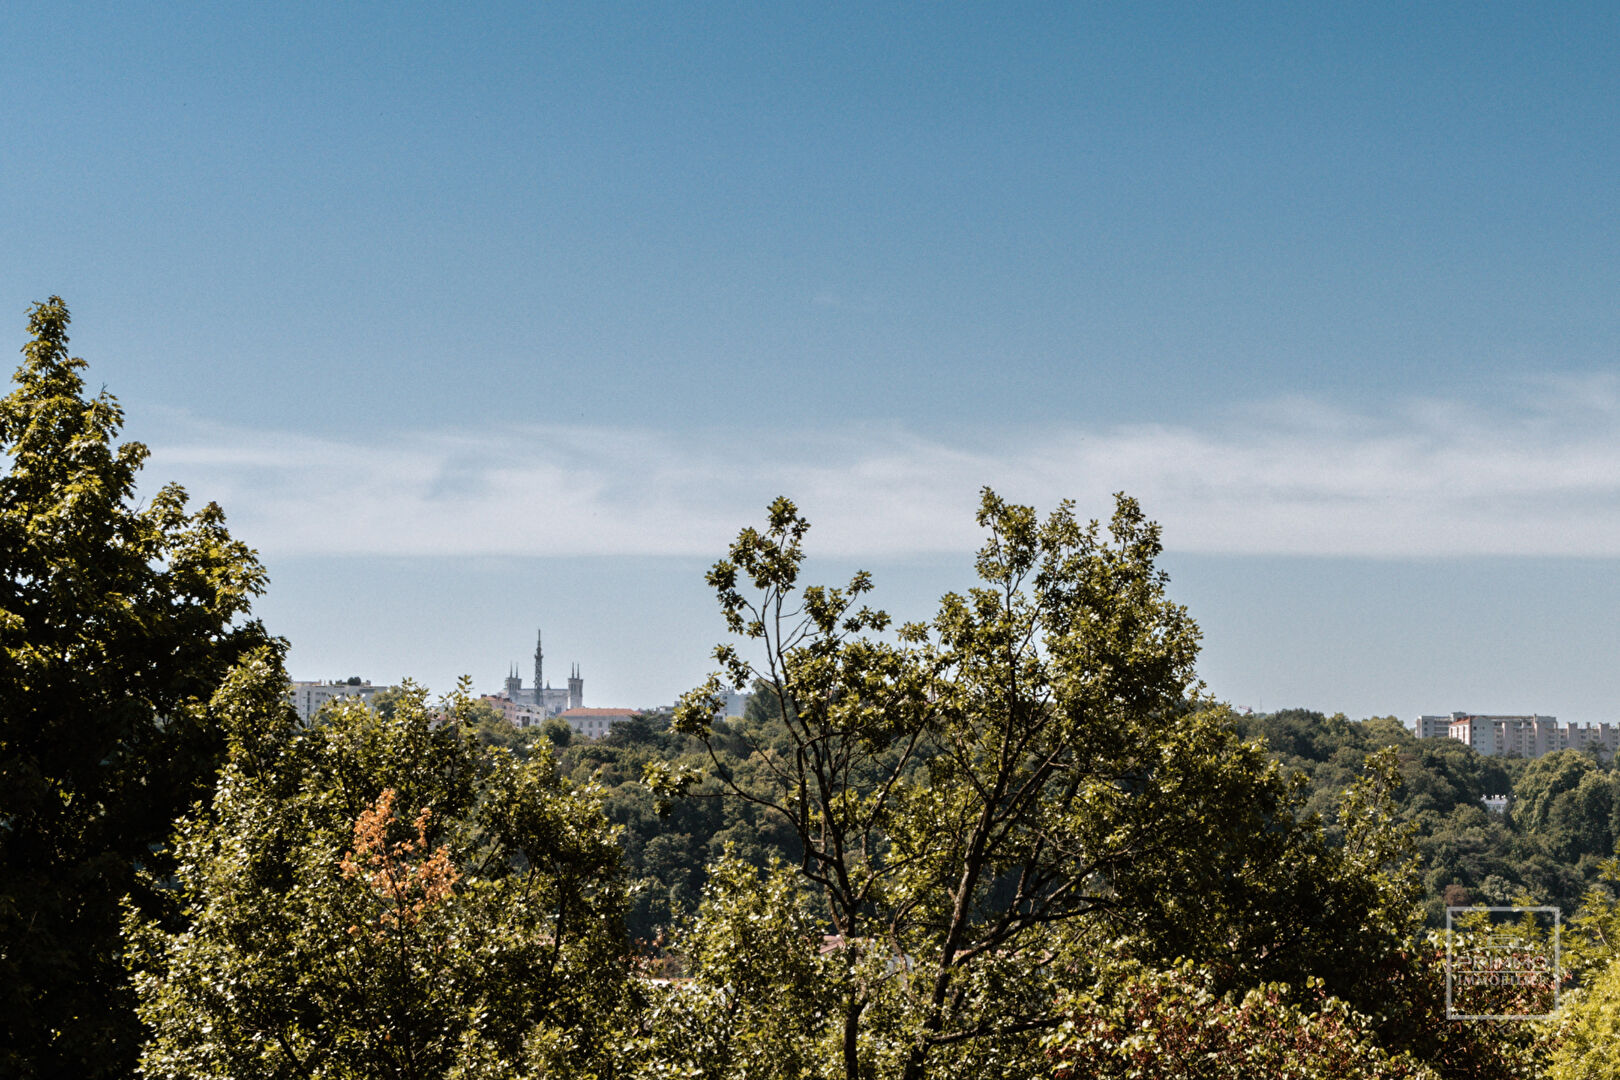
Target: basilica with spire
(541,697)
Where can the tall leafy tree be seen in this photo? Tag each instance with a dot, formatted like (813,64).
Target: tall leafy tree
(118,621)
(980,801)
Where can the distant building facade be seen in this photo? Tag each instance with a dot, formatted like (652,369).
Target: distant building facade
(1523,736)
(1605,738)
(516,713)
(594,723)
(1433,727)
(1508,736)
(735,704)
(542,699)
(530,706)
(308,697)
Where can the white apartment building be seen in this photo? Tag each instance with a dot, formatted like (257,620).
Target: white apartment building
(1430,726)
(1508,736)
(1605,737)
(308,697)
(1521,735)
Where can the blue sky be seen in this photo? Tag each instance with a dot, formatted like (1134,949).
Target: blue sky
(509,314)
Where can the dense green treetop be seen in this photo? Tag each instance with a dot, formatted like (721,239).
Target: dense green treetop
(380,896)
(118,621)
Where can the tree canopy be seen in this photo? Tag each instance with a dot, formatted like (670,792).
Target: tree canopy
(978,802)
(118,621)
(1015,839)
(380,896)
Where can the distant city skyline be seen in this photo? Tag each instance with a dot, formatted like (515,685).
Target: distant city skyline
(468,315)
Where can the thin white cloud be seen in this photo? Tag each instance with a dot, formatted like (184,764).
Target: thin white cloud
(1291,477)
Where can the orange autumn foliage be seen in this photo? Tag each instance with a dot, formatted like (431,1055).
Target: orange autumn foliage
(405,884)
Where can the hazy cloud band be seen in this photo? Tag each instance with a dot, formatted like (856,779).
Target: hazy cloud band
(1541,478)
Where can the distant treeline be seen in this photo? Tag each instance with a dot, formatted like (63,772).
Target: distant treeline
(1562,820)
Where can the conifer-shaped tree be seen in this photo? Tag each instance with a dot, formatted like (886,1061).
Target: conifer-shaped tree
(118,620)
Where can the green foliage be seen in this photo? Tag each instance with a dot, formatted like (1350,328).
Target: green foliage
(1183,1019)
(378,896)
(1590,1031)
(1137,1023)
(1563,812)
(760,1003)
(117,623)
(975,801)
(558,732)
(492,728)
(1566,801)
(386,700)
(668,842)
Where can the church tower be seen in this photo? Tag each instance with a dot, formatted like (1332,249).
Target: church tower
(514,684)
(539,665)
(576,689)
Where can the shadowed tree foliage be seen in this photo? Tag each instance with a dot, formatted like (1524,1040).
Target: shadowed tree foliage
(118,622)
(1566,800)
